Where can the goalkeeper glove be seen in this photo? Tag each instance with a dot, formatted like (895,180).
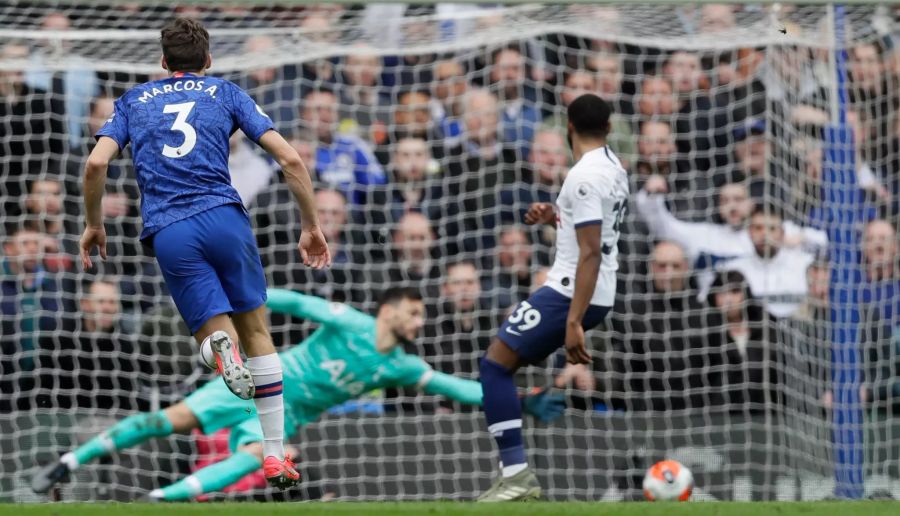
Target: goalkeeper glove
(544,405)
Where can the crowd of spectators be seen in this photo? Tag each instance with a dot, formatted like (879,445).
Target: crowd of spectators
(424,165)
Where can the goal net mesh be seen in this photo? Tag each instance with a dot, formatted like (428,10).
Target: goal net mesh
(433,127)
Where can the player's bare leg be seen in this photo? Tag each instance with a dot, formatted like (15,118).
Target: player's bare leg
(265,367)
(129,432)
(504,417)
(222,339)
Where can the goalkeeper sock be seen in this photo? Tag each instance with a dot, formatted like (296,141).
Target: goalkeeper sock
(214,477)
(504,416)
(126,433)
(266,371)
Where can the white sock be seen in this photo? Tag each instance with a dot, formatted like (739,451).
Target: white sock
(70,461)
(266,371)
(509,471)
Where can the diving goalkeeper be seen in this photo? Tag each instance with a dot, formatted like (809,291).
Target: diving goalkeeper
(350,354)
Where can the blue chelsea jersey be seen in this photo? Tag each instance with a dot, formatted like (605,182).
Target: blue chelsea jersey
(179,129)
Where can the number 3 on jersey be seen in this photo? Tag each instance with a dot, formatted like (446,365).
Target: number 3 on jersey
(527,315)
(190,135)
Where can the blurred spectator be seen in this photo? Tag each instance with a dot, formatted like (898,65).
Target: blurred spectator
(868,82)
(364,102)
(542,177)
(412,263)
(44,214)
(815,307)
(481,127)
(76,85)
(607,68)
(270,86)
(276,221)
(655,99)
(413,119)
(32,132)
(342,161)
(775,273)
(686,192)
(460,327)
(414,187)
(316,74)
(511,277)
(751,148)
(448,90)
(867,170)
(709,243)
(752,152)
(29,302)
(100,110)
(479,170)
(694,120)
(167,354)
(580,377)
(94,348)
(331,208)
(338,282)
(519,116)
(751,345)
(659,338)
(579,82)
(881,266)
(716,17)
(277,227)
(120,203)
(250,172)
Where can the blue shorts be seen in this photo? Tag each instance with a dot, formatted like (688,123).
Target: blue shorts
(211,264)
(537,326)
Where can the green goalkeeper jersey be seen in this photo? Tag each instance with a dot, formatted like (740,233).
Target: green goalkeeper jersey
(339,360)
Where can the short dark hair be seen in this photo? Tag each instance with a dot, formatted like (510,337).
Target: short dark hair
(320,88)
(185,45)
(412,91)
(89,282)
(728,281)
(767,209)
(589,115)
(394,295)
(512,47)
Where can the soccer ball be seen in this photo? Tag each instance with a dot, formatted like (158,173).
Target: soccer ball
(207,357)
(668,480)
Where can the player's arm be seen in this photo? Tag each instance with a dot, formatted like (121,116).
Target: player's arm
(316,309)
(652,208)
(541,404)
(458,389)
(587,215)
(586,273)
(313,248)
(94,183)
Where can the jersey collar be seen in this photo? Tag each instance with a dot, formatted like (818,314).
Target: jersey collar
(182,74)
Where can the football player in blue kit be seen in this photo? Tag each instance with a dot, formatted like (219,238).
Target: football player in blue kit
(193,218)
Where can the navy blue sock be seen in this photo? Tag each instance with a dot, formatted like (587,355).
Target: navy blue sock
(504,414)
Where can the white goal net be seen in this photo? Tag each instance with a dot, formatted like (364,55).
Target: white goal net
(429,129)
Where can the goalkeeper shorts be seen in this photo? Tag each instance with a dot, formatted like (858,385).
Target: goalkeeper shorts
(215,407)
(211,264)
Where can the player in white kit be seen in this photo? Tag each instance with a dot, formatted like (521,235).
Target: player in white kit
(579,292)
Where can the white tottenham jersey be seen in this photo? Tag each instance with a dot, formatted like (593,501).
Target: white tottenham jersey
(594,192)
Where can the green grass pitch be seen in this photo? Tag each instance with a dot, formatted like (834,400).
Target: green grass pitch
(452,508)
